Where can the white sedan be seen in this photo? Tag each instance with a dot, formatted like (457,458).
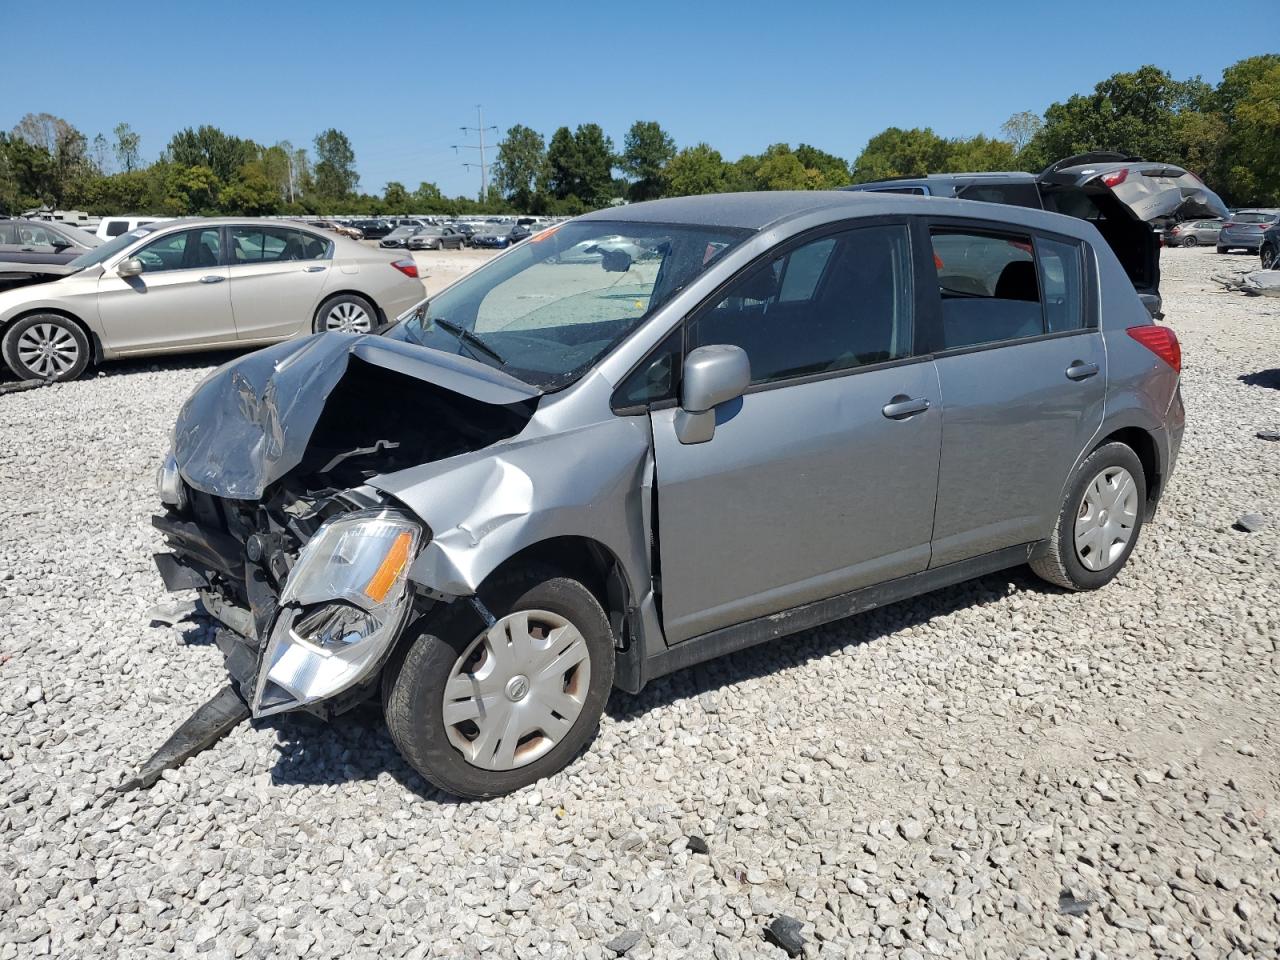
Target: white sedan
(200,284)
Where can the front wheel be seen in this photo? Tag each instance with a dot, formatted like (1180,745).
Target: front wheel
(346,313)
(480,710)
(1098,525)
(46,346)
(1269,259)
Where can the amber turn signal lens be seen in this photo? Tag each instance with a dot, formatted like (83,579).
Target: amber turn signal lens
(393,563)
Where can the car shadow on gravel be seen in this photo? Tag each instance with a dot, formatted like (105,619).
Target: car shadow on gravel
(358,748)
(1263,378)
(800,648)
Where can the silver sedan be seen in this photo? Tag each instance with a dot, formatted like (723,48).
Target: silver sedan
(200,284)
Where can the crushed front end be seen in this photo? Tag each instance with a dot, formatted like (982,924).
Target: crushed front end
(269,516)
(309,588)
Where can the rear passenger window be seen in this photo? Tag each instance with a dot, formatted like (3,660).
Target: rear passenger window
(838,302)
(116,227)
(989,287)
(1060,274)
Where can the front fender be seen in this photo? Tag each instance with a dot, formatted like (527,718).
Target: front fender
(486,506)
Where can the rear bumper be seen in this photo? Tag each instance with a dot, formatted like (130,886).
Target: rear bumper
(1247,241)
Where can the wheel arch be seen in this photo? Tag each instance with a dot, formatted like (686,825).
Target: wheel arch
(1143,443)
(95,345)
(347,292)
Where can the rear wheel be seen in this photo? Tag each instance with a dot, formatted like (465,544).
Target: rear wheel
(482,711)
(346,313)
(1269,259)
(1099,522)
(46,346)
(1189,241)
(1222,249)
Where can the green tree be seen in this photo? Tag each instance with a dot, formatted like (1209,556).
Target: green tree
(250,192)
(562,164)
(696,170)
(1127,112)
(895,152)
(780,169)
(521,165)
(825,171)
(127,147)
(580,166)
(1021,128)
(429,199)
(210,147)
(1248,161)
(66,148)
(190,190)
(979,154)
(646,152)
(335,169)
(396,197)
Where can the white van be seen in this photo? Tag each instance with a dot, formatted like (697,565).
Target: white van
(109,227)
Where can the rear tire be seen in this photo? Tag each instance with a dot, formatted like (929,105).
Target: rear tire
(46,346)
(346,313)
(1222,249)
(516,715)
(1094,535)
(1189,242)
(1269,259)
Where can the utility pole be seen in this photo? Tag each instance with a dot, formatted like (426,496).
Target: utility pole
(480,129)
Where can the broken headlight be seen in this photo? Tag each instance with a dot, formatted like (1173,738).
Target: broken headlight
(341,609)
(169,483)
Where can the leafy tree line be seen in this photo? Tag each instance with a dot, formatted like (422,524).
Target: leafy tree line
(1229,134)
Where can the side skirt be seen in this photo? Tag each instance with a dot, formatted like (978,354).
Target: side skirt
(740,636)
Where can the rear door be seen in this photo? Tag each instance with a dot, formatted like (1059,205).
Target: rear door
(821,479)
(1022,373)
(181,298)
(278,277)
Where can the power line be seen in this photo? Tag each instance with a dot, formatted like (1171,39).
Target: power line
(480,129)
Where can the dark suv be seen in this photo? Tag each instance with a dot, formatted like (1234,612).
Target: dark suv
(1119,194)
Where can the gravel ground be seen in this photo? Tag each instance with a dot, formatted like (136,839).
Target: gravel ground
(999,769)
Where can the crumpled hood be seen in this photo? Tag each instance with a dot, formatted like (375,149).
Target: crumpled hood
(248,423)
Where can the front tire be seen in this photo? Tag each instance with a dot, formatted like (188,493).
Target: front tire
(482,711)
(46,346)
(346,313)
(1269,259)
(1099,523)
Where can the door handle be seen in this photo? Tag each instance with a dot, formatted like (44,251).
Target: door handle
(1079,370)
(902,406)
(212,278)
(312,269)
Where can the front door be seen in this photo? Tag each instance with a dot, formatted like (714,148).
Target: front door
(181,299)
(821,479)
(1022,369)
(278,275)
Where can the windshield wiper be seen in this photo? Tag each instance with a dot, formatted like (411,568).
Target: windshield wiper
(467,337)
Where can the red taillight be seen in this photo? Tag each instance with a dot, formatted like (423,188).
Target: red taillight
(1116,177)
(408,266)
(1161,341)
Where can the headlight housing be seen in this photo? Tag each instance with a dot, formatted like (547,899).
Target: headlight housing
(169,485)
(341,609)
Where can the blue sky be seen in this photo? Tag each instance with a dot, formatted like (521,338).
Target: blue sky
(400,78)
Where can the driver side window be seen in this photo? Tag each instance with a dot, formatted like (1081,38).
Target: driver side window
(184,250)
(834,303)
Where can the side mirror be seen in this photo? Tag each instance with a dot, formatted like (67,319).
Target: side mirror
(131,267)
(615,261)
(712,375)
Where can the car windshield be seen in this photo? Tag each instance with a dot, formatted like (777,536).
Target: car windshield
(109,249)
(556,304)
(399,232)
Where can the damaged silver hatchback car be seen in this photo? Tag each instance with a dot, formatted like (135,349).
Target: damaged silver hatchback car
(655,435)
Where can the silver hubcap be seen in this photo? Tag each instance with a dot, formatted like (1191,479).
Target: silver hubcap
(48,350)
(1107,515)
(517,689)
(348,317)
